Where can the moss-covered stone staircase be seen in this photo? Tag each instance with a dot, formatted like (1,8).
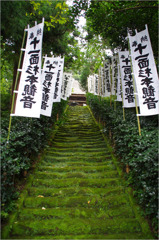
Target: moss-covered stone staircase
(76,192)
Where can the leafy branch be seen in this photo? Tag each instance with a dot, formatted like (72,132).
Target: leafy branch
(138,7)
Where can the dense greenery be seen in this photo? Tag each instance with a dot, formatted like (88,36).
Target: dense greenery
(59,31)
(112,19)
(27,139)
(107,25)
(94,56)
(137,152)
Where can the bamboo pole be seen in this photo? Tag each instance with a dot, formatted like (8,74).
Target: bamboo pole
(135,92)
(15,86)
(110,72)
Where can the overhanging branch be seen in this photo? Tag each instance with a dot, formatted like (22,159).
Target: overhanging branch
(138,7)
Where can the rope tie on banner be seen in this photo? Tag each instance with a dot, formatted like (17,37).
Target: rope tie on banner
(15,86)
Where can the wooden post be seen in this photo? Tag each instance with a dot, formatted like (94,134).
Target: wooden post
(127,169)
(110,72)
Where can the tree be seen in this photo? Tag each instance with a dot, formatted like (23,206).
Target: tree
(58,26)
(112,19)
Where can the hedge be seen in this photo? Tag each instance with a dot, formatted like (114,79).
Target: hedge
(28,137)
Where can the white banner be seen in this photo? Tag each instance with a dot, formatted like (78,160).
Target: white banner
(145,72)
(99,82)
(90,84)
(67,79)
(103,83)
(28,102)
(107,78)
(49,76)
(58,84)
(127,80)
(96,84)
(114,75)
(119,91)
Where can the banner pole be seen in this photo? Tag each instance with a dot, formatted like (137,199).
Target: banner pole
(15,86)
(110,72)
(137,112)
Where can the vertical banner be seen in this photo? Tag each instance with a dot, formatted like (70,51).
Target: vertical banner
(49,76)
(119,91)
(146,77)
(103,82)
(127,80)
(99,82)
(58,83)
(70,87)
(114,75)
(91,83)
(67,78)
(28,102)
(96,79)
(107,78)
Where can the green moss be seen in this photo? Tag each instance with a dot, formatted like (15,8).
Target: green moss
(88,236)
(75,174)
(76,191)
(57,183)
(62,167)
(70,191)
(76,226)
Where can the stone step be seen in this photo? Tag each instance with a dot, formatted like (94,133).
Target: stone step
(104,203)
(77,150)
(77,167)
(76,225)
(88,236)
(70,191)
(65,175)
(62,213)
(58,183)
(78,138)
(53,159)
(83,154)
(78,144)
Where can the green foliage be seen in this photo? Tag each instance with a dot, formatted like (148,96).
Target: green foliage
(112,19)
(84,75)
(139,152)
(6,79)
(27,138)
(16,15)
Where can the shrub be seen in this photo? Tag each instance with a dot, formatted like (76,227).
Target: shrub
(28,137)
